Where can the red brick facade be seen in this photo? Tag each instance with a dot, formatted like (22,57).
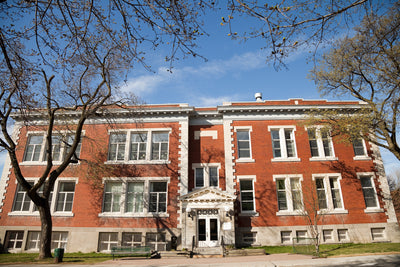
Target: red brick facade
(217,173)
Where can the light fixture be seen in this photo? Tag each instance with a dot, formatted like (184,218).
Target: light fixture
(190,212)
(229,212)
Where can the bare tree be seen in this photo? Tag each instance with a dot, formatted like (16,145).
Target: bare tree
(366,67)
(289,25)
(62,62)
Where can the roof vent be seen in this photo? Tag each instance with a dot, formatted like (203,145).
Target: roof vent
(258,97)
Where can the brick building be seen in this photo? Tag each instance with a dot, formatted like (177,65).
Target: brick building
(240,173)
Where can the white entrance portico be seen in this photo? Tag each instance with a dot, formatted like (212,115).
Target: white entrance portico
(207,218)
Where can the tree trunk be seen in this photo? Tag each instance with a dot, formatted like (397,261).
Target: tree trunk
(47,226)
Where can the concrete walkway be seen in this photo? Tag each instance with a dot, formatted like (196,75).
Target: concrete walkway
(275,260)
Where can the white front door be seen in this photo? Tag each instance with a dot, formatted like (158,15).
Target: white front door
(207,230)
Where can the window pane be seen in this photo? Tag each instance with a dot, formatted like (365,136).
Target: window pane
(243,139)
(289,143)
(321,193)
(358,147)
(33,148)
(213,173)
(336,199)
(159,147)
(199,177)
(138,146)
(368,192)
(247,195)
(276,145)
(117,146)
(135,197)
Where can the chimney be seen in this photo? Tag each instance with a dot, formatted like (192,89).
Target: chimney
(258,97)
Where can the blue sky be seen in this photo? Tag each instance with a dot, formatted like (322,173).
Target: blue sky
(234,71)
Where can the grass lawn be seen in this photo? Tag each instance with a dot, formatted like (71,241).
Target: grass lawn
(341,249)
(325,251)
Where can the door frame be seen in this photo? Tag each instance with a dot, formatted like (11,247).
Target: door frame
(207,217)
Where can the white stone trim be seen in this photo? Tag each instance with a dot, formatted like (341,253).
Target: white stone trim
(229,158)
(209,133)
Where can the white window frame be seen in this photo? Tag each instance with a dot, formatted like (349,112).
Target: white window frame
(206,173)
(59,239)
(282,140)
(328,193)
(131,242)
(320,144)
(63,147)
(372,178)
(328,236)
(248,129)
(288,193)
(15,241)
(35,241)
(53,198)
(343,235)
(146,197)
(148,158)
(251,178)
(365,155)
(110,243)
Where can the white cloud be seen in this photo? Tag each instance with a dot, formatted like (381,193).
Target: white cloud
(149,84)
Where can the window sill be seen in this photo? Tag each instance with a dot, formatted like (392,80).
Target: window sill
(324,159)
(289,213)
(285,159)
(337,211)
(245,160)
(62,214)
(373,210)
(138,162)
(36,213)
(42,163)
(133,215)
(361,158)
(249,214)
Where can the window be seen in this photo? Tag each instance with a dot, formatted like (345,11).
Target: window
(343,235)
(369,192)
(320,143)
(35,152)
(156,241)
(132,239)
(135,197)
(65,196)
(329,193)
(301,236)
(359,147)
(249,238)
(199,177)
(33,241)
(116,149)
(247,195)
(14,239)
(327,235)
(145,146)
(59,240)
(283,143)
(107,241)
(243,143)
(138,146)
(112,197)
(206,175)
(22,201)
(134,202)
(159,146)
(33,148)
(286,237)
(60,203)
(378,234)
(158,197)
(288,193)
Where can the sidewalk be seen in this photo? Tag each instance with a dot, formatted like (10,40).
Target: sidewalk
(275,260)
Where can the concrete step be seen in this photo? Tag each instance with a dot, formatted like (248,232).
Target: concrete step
(244,252)
(208,252)
(174,254)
